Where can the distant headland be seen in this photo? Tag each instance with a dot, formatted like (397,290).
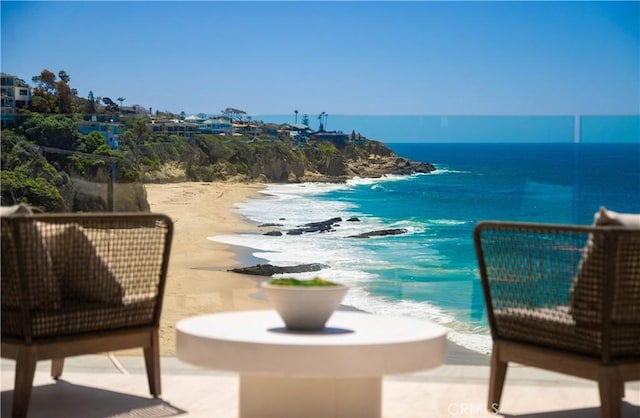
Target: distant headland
(61,152)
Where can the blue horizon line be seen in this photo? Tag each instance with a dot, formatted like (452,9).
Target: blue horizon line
(533,115)
(621,128)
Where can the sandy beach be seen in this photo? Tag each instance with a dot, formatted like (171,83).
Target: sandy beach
(198,281)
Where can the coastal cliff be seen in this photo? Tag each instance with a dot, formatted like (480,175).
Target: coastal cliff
(82,174)
(279,162)
(63,153)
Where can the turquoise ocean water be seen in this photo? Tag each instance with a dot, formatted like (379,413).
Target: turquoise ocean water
(431,271)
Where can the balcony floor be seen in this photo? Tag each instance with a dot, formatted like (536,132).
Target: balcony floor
(115,386)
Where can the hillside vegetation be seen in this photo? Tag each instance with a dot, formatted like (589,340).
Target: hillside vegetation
(47,163)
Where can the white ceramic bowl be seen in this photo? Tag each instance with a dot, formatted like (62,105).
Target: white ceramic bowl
(305,308)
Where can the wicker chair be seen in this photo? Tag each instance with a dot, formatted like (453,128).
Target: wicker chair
(563,298)
(77,284)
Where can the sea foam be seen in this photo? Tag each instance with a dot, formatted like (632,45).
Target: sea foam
(359,263)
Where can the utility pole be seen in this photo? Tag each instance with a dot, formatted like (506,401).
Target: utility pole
(113,144)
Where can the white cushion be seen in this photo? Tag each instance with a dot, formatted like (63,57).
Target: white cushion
(587,289)
(605,217)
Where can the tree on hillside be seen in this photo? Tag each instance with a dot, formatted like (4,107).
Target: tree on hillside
(42,104)
(27,176)
(65,98)
(234,114)
(121,99)
(109,104)
(90,143)
(91,105)
(296,120)
(44,100)
(140,134)
(55,131)
(45,82)
(64,76)
(51,95)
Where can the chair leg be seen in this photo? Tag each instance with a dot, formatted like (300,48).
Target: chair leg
(611,391)
(152,363)
(25,371)
(57,364)
(496,381)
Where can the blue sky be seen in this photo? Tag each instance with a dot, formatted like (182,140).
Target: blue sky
(351,58)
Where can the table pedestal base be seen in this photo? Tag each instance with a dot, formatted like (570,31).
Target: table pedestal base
(284,397)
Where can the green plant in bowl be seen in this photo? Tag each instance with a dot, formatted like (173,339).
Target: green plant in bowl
(316,281)
(304,305)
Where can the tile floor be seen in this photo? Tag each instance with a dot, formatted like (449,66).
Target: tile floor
(101,386)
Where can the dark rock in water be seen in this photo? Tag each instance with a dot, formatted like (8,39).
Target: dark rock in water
(268,225)
(323,226)
(269,270)
(406,167)
(354,219)
(380,233)
(273,233)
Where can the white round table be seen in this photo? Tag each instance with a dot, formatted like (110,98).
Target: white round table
(336,372)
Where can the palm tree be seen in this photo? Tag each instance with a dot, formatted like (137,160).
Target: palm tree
(326,115)
(321,127)
(121,99)
(296,112)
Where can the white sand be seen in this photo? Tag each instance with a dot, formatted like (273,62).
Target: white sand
(197,280)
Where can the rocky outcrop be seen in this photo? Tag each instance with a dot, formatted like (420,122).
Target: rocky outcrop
(378,166)
(273,233)
(372,159)
(323,226)
(269,270)
(380,233)
(328,226)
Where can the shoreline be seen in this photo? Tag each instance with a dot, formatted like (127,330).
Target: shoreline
(197,280)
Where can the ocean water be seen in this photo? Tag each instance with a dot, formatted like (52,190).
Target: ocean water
(479,129)
(431,271)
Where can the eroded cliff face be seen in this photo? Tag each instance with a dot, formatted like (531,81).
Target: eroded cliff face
(320,162)
(265,163)
(338,163)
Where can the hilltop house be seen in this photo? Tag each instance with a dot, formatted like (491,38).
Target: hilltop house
(218,126)
(173,127)
(15,95)
(337,138)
